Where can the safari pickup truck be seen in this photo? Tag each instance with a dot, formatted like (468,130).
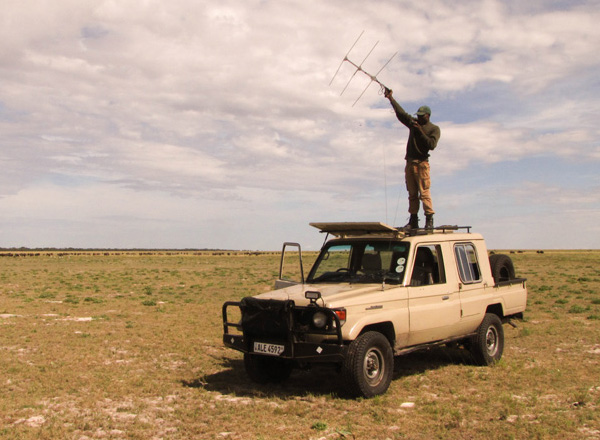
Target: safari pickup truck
(373,293)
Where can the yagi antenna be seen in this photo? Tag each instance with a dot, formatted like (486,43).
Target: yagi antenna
(360,69)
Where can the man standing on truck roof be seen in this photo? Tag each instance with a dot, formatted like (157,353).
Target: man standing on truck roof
(423,138)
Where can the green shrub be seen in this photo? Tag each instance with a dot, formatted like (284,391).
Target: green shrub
(576,308)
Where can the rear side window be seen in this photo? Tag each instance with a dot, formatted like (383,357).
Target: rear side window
(466,260)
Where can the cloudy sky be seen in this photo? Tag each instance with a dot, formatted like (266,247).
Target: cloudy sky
(212,124)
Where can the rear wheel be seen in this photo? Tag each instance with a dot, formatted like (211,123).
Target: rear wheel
(264,369)
(369,365)
(488,343)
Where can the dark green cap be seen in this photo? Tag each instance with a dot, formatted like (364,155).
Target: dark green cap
(423,110)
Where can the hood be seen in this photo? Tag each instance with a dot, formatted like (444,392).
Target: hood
(334,295)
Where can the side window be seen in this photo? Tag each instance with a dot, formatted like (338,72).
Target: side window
(466,260)
(429,266)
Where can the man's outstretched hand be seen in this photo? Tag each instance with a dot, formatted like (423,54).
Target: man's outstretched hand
(387,92)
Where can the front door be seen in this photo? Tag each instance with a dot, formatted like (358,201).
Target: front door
(292,273)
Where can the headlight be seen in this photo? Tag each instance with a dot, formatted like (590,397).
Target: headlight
(319,320)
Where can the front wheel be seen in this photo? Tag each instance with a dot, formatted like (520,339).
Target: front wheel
(369,365)
(488,343)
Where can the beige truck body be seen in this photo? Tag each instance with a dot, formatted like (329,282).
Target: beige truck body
(411,302)
(425,313)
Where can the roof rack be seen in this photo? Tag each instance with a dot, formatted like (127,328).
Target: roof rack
(439,229)
(353,229)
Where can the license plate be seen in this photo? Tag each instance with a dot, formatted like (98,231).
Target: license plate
(270,349)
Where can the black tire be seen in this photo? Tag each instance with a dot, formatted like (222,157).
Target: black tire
(264,369)
(488,343)
(369,365)
(502,268)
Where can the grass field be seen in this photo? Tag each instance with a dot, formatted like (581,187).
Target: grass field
(128,346)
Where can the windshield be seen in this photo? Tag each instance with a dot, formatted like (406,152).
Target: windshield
(365,261)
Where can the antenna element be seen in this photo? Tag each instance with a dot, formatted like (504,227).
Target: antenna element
(360,69)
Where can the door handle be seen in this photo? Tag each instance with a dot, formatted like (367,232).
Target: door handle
(445,297)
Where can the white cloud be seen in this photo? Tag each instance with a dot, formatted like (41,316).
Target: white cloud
(556,198)
(167,102)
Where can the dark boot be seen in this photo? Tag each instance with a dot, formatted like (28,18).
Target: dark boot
(413,223)
(429,221)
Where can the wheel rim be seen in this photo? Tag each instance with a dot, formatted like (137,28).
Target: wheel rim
(491,340)
(374,366)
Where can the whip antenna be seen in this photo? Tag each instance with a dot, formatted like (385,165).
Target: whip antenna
(359,68)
